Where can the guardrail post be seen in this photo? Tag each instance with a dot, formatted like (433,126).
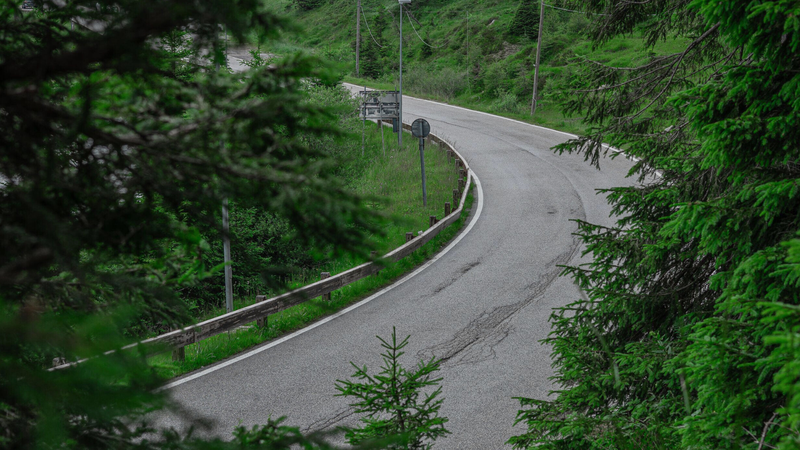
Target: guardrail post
(323,276)
(446,209)
(462,173)
(455,198)
(179,354)
(373,255)
(461,184)
(262,322)
(409,236)
(432,221)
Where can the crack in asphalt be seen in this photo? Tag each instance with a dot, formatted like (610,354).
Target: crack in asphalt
(327,422)
(464,269)
(476,341)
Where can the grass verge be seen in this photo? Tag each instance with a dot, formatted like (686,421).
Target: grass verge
(393,175)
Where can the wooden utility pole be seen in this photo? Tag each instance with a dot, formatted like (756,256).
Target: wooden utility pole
(538,52)
(469,67)
(358,34)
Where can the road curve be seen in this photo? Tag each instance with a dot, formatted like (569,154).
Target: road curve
(482,307)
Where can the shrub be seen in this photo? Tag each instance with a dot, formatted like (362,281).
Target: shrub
(526,20)
(392,400)
(445,83)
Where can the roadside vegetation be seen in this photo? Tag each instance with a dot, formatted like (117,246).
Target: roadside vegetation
(267,260)
(478,55)
(117,151)
(688,334)
(394,181)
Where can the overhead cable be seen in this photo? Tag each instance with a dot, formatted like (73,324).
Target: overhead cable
(420,37)
(364,15)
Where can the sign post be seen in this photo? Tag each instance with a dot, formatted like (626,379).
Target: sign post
(380,106)
(421,129)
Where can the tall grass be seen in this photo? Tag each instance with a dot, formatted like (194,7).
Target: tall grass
(444,83)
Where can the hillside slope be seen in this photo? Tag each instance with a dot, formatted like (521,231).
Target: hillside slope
(477,54)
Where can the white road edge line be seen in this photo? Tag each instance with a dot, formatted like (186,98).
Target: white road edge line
(480,112)
(613,149)
(342,312)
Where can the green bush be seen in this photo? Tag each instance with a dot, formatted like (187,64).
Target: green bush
(444,83)
(393,400)
(526,20)
(307,5)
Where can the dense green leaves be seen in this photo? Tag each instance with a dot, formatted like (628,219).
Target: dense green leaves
(118,143)
(688,335)
(394,403)
(526,20)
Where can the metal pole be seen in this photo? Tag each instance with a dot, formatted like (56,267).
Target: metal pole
(422,164)
(226,241)
(538,52)
(380,125)
(469,68)
(358,34)
(226,249)
(383,143)
(363,124)
(400,112)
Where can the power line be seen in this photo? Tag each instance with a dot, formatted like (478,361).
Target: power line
(364,15)
(420,37)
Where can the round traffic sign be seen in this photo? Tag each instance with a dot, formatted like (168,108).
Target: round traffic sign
(420,128)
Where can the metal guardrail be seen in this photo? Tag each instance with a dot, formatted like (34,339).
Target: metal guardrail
(177,339)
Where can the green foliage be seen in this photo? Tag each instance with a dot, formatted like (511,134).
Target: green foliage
(274,436)
(374,46)
(444,83)
(371,64)
(116,151)
(177,50)
(393,400)
(307,5)
(688,335)
(526,20)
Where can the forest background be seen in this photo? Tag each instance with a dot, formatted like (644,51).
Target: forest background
(688,336)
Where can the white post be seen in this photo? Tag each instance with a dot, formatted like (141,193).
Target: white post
(226,250)
(226,241)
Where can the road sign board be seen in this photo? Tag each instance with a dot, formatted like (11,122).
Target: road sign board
(379,105)
(420,128)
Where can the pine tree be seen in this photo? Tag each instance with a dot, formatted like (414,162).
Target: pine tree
(394,403)
(526,20)
(688,337)
(105,154)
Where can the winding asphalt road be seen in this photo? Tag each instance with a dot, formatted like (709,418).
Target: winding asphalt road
(482,307)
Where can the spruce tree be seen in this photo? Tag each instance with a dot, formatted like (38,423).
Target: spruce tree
(394,403)
(688,336)
(110,155)
(526,20)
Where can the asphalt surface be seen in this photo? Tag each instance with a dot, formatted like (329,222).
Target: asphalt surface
(482,307)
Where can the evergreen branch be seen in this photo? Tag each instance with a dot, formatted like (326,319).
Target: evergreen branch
(676,66)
